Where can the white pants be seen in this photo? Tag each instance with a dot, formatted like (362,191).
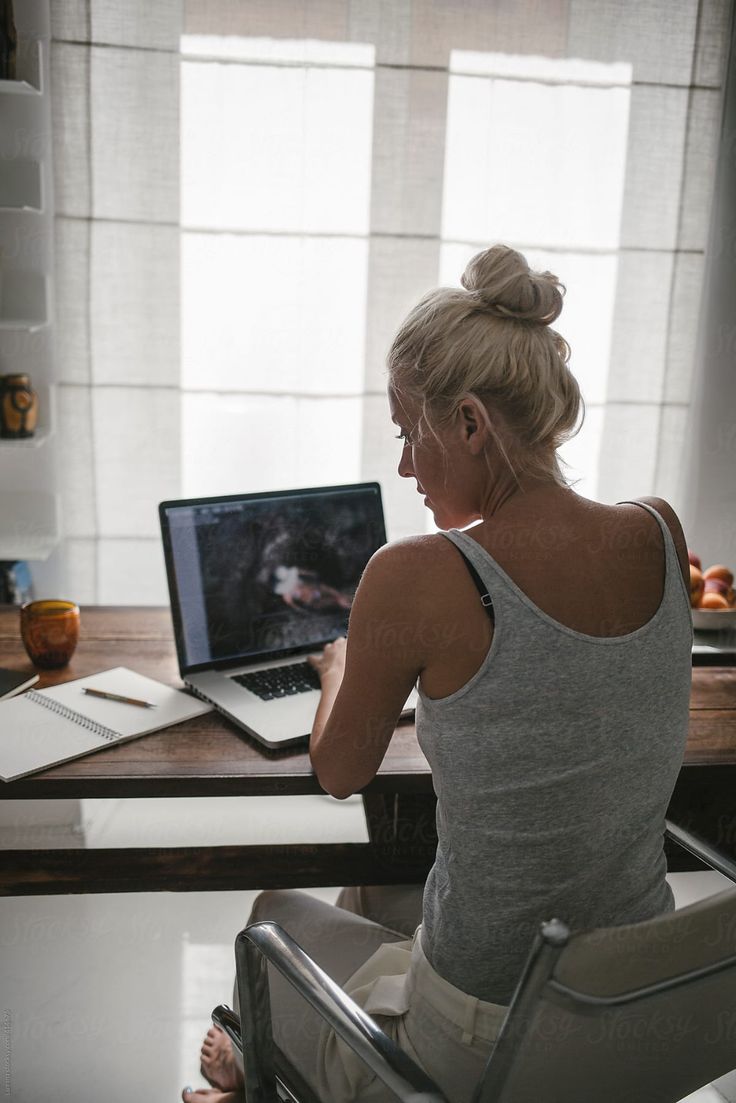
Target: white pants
(449,1033)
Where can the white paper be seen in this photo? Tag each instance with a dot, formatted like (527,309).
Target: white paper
(33,737)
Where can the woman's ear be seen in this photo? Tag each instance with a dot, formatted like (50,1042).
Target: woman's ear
(474,424)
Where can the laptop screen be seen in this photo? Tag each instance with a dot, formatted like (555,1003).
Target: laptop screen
(260,575)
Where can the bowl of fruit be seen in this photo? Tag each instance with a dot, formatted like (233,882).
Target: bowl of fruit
(712,596)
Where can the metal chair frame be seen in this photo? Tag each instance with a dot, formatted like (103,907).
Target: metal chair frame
(268,1076)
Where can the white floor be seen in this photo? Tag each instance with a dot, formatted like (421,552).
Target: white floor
(106,998)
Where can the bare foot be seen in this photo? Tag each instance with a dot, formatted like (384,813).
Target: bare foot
(219,1066)
(210,1095)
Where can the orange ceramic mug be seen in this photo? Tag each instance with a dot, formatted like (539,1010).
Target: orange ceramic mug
(50,631)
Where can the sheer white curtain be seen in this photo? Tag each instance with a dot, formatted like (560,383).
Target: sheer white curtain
(250,196)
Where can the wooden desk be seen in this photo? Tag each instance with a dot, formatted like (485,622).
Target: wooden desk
(204,757)
(209,757)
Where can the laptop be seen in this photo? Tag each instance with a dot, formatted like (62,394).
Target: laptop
(259,581)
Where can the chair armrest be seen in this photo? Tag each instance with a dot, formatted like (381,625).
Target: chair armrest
(291,1086)
(702,850)
(224,1017)
(266,942)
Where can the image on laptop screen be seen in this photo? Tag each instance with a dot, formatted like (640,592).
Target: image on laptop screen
(267,573)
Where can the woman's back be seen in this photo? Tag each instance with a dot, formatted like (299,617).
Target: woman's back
(595,568)
(554,753)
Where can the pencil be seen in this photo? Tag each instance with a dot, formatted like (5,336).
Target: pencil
(117,697)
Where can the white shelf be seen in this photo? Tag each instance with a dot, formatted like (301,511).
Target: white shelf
(39,437)
(29,525)
(46,422)
(20,186)
(18,88)
(30,72)
(23,303)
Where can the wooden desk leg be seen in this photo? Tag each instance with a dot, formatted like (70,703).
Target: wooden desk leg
(401,828)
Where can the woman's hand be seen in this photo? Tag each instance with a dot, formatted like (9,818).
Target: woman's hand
(330,665)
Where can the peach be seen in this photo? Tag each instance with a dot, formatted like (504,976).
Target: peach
(713,601)
(696,586)
(716,586)
(719,571)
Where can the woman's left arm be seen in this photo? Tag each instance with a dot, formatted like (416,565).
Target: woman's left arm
(367,679)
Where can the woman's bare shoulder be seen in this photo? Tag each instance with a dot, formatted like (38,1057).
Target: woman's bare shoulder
(407,570)
(410,550)
(417,540)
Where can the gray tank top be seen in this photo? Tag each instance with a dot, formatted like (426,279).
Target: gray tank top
(553,768)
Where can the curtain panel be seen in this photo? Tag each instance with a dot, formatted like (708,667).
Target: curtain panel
(250,196)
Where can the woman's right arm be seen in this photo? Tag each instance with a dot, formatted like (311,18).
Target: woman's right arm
(383,659)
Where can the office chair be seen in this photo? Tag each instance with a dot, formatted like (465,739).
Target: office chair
(643,1013)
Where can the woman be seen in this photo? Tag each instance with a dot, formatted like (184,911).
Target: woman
(553,712)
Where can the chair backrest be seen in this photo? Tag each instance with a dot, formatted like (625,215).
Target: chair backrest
(644,1013)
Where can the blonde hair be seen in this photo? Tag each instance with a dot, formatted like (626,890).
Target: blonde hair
(491,340)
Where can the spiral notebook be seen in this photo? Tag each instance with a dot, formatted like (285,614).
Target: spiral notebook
(43,728)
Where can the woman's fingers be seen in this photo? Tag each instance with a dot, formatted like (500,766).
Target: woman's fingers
(333,655)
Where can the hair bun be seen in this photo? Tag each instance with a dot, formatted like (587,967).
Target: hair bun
(504,285)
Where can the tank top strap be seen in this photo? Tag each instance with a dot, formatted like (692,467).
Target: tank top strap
(672,561)
(482,567)
(485,598)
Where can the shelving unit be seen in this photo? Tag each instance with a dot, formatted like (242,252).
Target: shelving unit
(29,502)
(30,505)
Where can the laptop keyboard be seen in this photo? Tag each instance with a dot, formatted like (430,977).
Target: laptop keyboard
(280,681)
